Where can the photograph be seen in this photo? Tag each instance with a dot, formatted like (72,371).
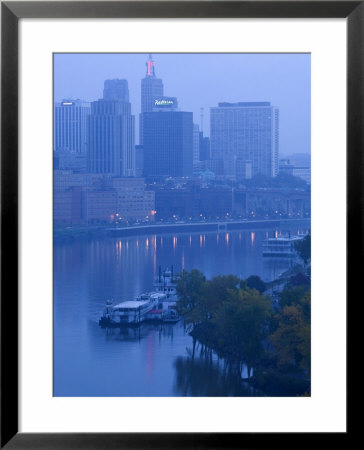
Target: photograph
(181,224)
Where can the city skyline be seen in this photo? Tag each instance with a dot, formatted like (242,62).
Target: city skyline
(243,151)
(281,79)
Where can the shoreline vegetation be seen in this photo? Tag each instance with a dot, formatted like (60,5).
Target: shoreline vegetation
(244,323)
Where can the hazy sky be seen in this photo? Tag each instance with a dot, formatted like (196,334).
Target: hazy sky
(202,80)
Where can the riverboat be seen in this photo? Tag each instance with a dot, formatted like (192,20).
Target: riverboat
(158,305)
(281,246)
(131,312)
(166,283)
(171,317)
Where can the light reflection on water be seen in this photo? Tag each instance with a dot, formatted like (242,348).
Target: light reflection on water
(152,360)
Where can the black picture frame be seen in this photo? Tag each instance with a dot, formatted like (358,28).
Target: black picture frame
(11,12)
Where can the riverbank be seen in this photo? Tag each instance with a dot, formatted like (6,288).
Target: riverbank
(269,380)
(246,327)
(71,233)
(92,361)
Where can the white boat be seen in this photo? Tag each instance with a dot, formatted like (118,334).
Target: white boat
(281,246)
(131,312)
(146,306)
(166,283)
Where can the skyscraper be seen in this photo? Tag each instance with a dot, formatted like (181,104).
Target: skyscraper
(151,88)
(70,125)
(111,130)
(204,147)
(116,90)
(196,145)
(168,143)
(245,134)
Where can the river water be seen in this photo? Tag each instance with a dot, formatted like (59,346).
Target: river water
(153,360)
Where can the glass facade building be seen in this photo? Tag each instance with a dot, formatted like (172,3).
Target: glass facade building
(70,125)
(245,133)
(168,143)
(116,89)
(196,144)
(111,129)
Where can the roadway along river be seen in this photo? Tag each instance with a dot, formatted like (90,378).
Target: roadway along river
(153,360)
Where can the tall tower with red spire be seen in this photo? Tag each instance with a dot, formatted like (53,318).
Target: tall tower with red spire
(150,66)
(151,88)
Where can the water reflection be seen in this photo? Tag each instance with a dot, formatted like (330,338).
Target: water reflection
(151,360)
(202,374)
(137,334)
(252,238)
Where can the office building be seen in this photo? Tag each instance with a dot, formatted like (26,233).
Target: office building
(196,145)
(245,134)
(134,202)
(204,147)
(168,143)
(139,160)
(116,90)
(193,202)
(111,128)
(289,167)
(82,198)
(272,202)
(67,160)
(151,88)
(70,125)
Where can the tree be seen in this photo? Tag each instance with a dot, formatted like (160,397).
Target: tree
(299,279)
(255,282)
(217,291)
(242,325)
(292,296)
(189,290)
(292,338)
(199,299)
(303,247)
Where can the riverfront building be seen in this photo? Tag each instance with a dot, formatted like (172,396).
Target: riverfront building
(193,203)
(111,128)
(245,133)
(168,143)
(134,202)
(70,126)
(82,198)
(272,202)
(291,168)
